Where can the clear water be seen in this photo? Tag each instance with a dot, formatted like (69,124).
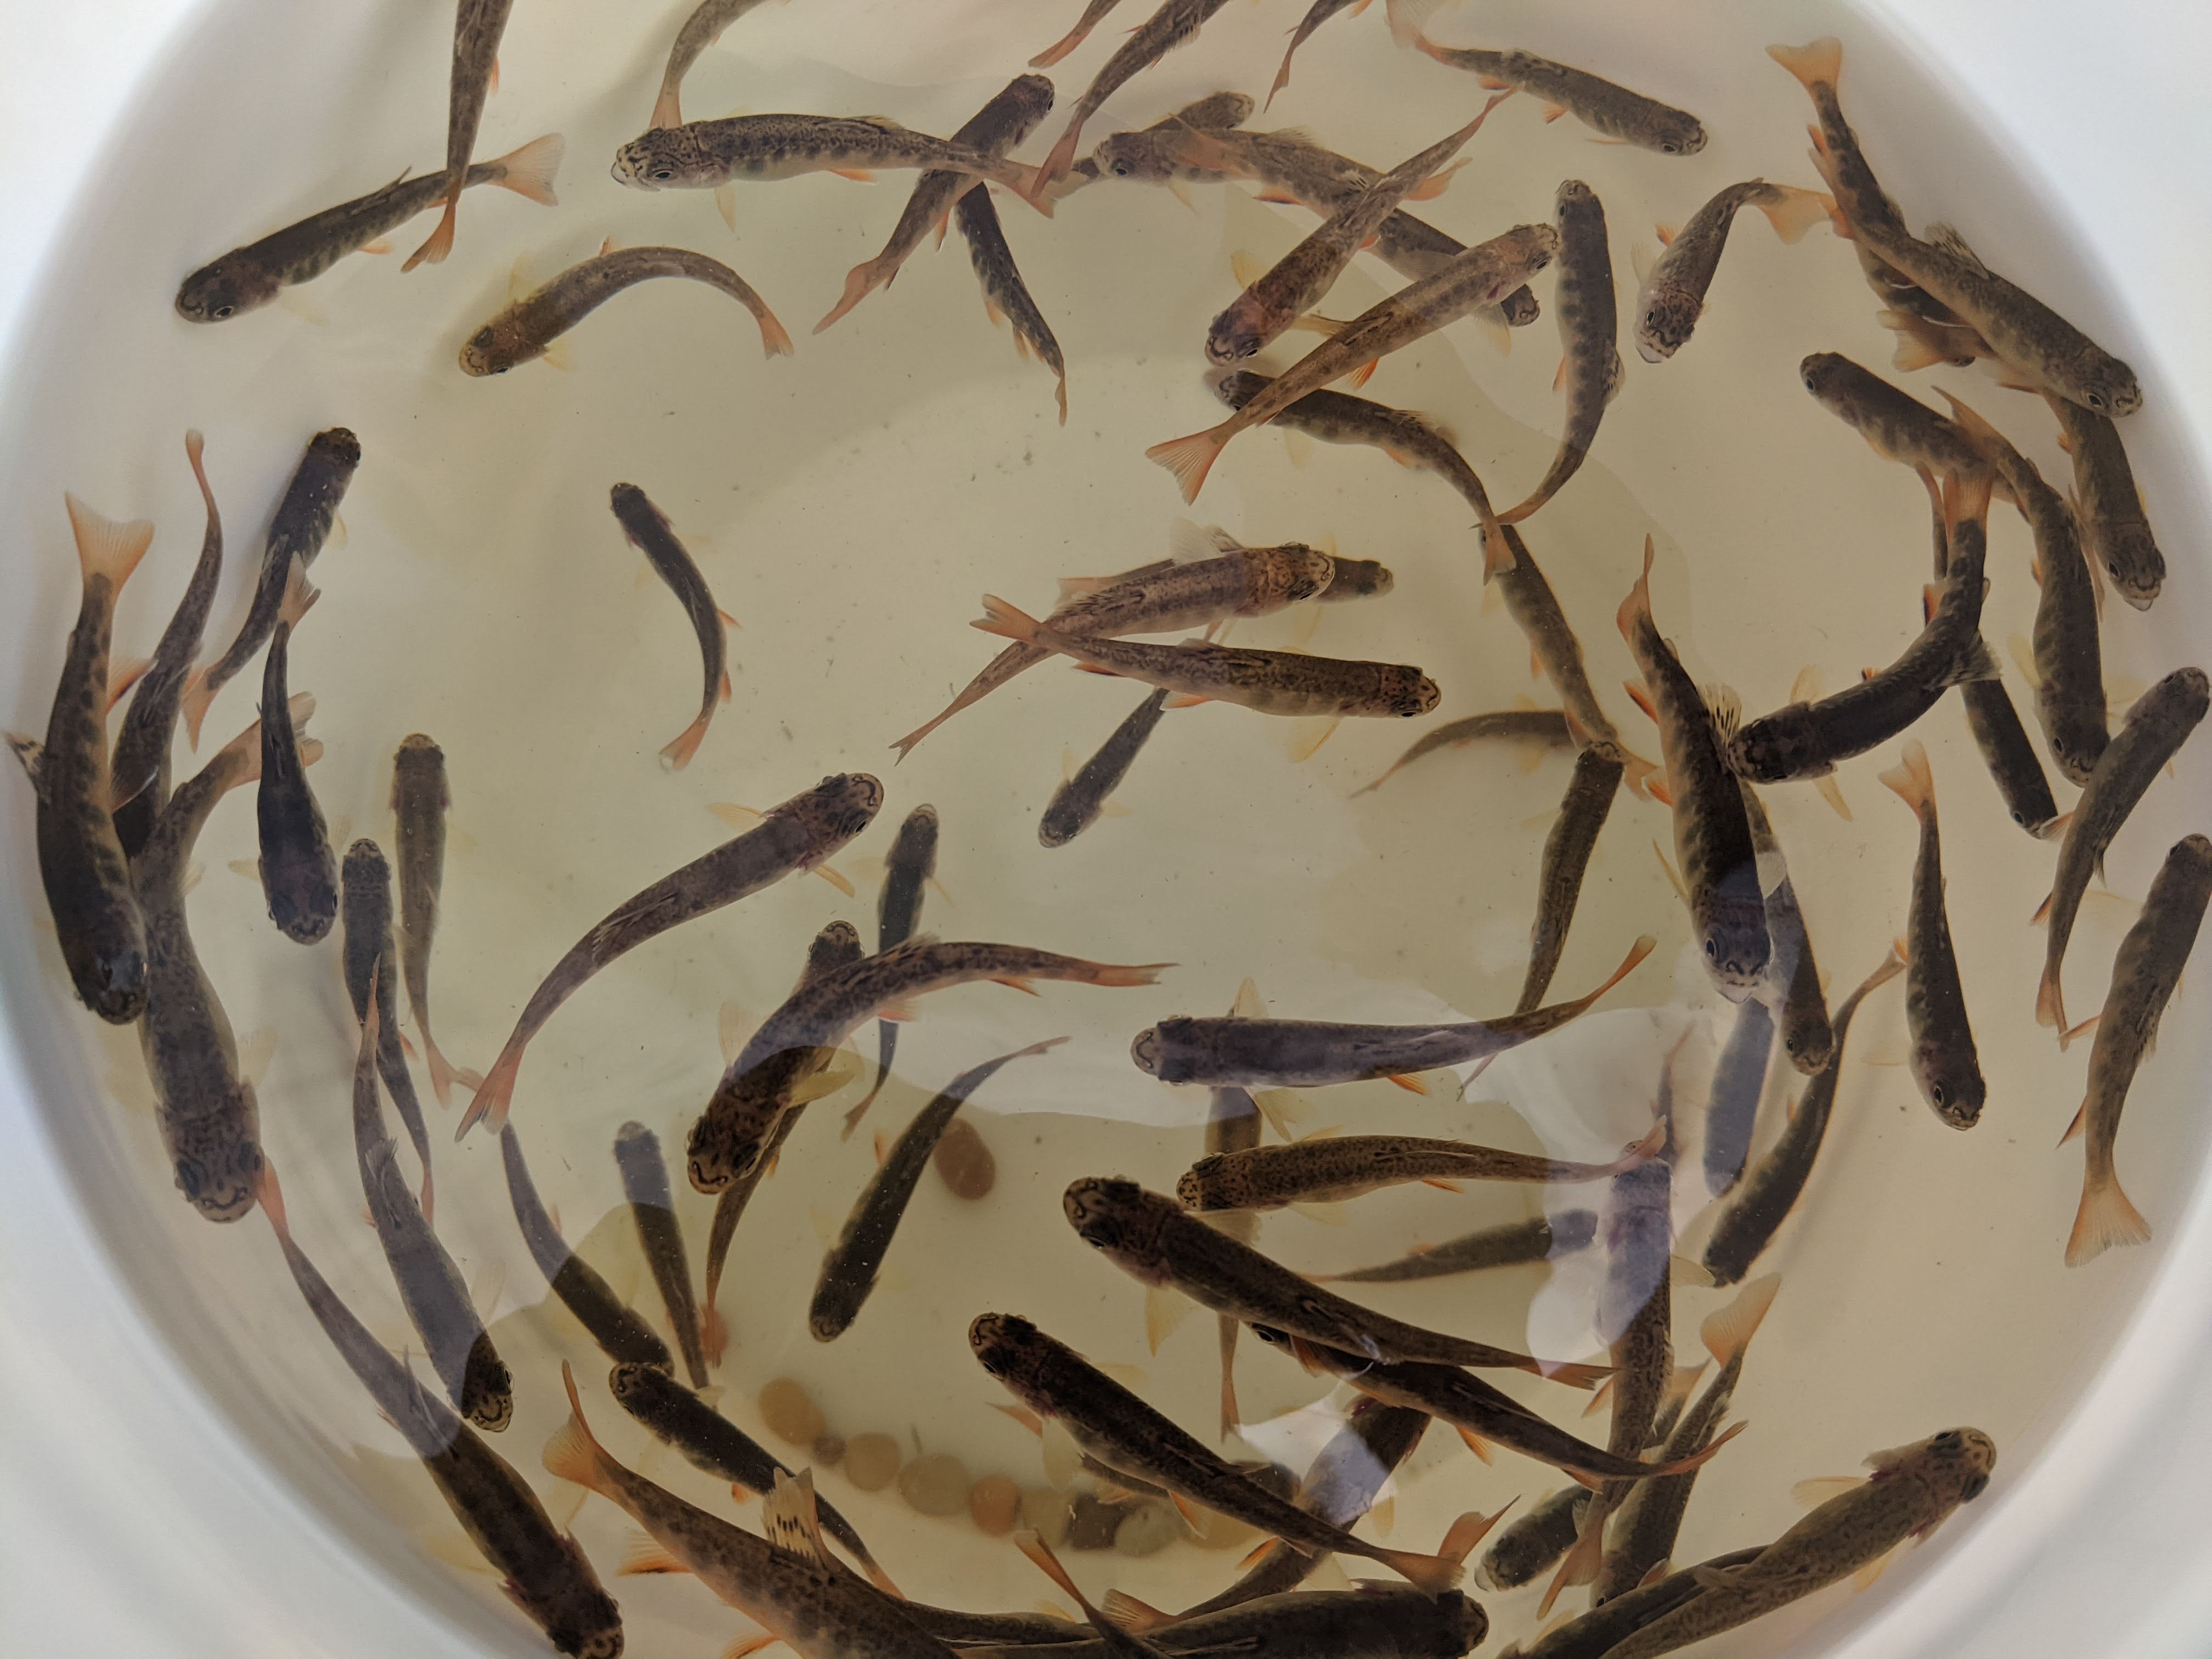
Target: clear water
(847,506)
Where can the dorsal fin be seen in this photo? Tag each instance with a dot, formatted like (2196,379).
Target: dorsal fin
(788,1519)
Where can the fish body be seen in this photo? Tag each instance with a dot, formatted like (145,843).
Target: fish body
(1793,974)
(1589,332)
(1076,804)
(1379,1620)
(526,329)
(1896,425)
(1534,1540)
(1943,1060)
(1547,727)
(1158,154)
(478,26)
(89,882)
(139,771)
(621,1335)
(1174,23)
(1913,1490)
(649,532)
(1598,104)
(298,873)
(1673,295)
(1005,294)
(701,30)
(707,155)
(1568,845)
(247,278)
(1232,1125)
(2110,505)
(2145,970)
(1325,1169)
(367,960)
(909,868)
(1732,1107)
(1512,1244)
(1553,646)
(420,801)
(303,524)
(1594,1634)
(798,835)
(653,1212)
(2158,725)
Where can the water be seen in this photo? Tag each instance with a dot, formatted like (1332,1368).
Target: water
(848,505)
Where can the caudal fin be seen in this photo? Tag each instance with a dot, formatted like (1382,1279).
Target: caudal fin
(1792,211)
(494,1096)
(1056,164)
(529,172)
(2050,1000)
(104,548)
(573,1454)
(1728,1333)
(677,754)
(1190,458)
(2105,1218)
(1820,63)
(1636,610)
(1911,781)
(860,281)
(1005,621)
(299,598)
(1434,1574)
(440,241)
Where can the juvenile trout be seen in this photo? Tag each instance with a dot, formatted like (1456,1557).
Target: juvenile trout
(420,800)
(708,154)
(653,1212)
(1299,1054)
(2158,725)
(1513,1244)
(1897,425)
(850,1269)
(701,30)
(623,1336)
(1547,727)
(1568,845)
(1159,1244)
(1536,1540)
(800,835)
(478,26)
(299,874)
(247,278)
(1944,1061)
(1327,1170)
(367,962)
(1732,1105)
(1155,155)
(1598,104)
(1480,276)
(1174,23)
(649,532)
(1592,1635)
(1267,682)
(1005,295)
(1076,804)
(1117,1429)
(1712,837)
(139,773)
(1093,15)
(1553,649)
(1913,1490)
(88,880)
(1589,331)
(2109,504)
(909,868)
(1319,12)
(526,329)
(547,1577)
(1232,1125)
(2145,970)
(1379,1620)
(1672,296)
(1793,975)
(302,523)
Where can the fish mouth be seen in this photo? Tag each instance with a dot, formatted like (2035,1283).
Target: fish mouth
(1144,1052)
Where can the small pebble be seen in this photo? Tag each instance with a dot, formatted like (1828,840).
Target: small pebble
(791,1415)
(1093,1524)
(964,1162)
(827,1451)
(872,1460)
(1147,1528)
(994,1503)
(935,1484)
(1046,1512)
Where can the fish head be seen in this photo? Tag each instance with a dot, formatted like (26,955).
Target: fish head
(1776,747)
(630,1381)
(1521,307)
(112,980)
(577,1617)
(1144,1052)
(487,1393)
(1409,693)
(1807,1037)
(1117,1216)
(303,898)
(217,1171)
(1211,1183)
(663,158)
(1733,938)
(1236,386)
(1665,318)
(1016,1353)
(215,293)
(1969,1452)
(2133,564)
(496,347)
(1357,579)
(1239,333)
(1464,1615)
(1675,133)
(1950,1081)
(1063,819)
(1140,155)
(1825,373)
(2106,386)
(838,808)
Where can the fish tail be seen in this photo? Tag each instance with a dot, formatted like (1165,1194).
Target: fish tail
(1636,610)
(853,1118)
(1728,1333)
(1006,621)
(271,1197)
(440,242)
(1574,1375)
(860,282)
(1407,18)
(443,1073)
(1125,1612)
(1911,781)
(1190,458)
(1579,1566)
(668,108)
(1966,495)
(1819,63)
(1108,973)
(494,1096)
(1060,48)
(1433,1573)
(1698,1460)
(197,695)
(1645,944)
(2105,1218)
(104,548)
(573,1454)
(677,754)
(1282,77)
(775,342)
(1058,162)
(1975,661)
(2050,1000)
(299,597)
(1792,211)
(529,171)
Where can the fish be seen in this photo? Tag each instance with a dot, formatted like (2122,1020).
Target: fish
(1155,155)
(1511,1244)
(1897,425)
(909,868)
(420,801)
(1119,1430)
(2069,698)
(529,325)
(850,1269)
(649,532)
(1913,1490)
(1613,111)
(1944,1061)
(1589,329)
(1712,837)
(1118,1641)
(1267,682)
(2154,729)
(1325,1169)
(709,1441)
(1546,728)
(431,1286)
(1480,277)
(1544,1533)
(1319,12)
(660,1236)
(1301,1054)
(1093,15)
(1302,276)
(1232,1125)
(621,1334)
(248,277)
(1793,975)
(701,30)
(303,522)
(996,128)
(2029,337)
(88,881)
(708,154)
(800,835)
(298,873)
(139,772)
(367,962)
(478,26)
(1553,649)
(1176,22)
(2109,505)
(1671,294)
(1732,1104)
(791,1587)
(1771,1189)
(547,1575)
(209,1120)
(1806,739)
(1592,1635)
(1158,1244)
(1076,804)
(2145,970)
(765,1081)
(1212,577)
(1651,1518)
(1568,845)
(1005,295)
(1378,1620)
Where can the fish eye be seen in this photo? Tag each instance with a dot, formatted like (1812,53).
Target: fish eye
(221,311)
(1711,950)
(662,175)
(1940,1096)
(2112,569)
(1669,146)
(1949,1440)
(2095,400)
(1120,169)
